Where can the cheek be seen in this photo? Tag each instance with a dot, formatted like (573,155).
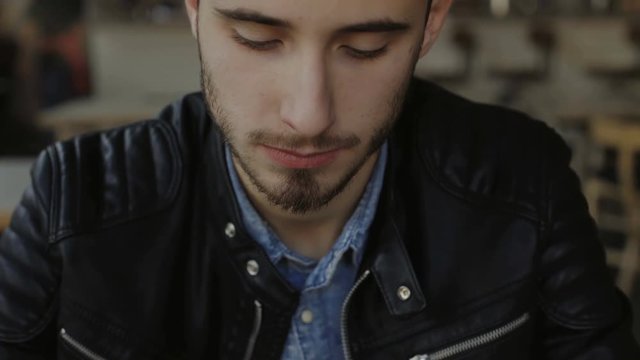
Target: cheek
(365,97)
(244,86)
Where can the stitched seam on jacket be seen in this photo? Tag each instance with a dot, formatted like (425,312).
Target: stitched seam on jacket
(472,197)
(414,281)
(55,192)
(412,274)
(39,326)
(36,329)
(464,311)
(144,345)
(68,231)
(585,321)
(408,262)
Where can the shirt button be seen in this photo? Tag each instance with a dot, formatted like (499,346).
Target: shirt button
(252,267)
(230,230)
(306,316)
(404,293)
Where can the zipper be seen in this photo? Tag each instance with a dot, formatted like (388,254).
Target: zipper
(343,323)
(475,342)
(79,347)
(257,323)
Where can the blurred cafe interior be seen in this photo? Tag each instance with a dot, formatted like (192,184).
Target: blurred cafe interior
(73,66)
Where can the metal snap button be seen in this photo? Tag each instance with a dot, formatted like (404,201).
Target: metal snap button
(230,230)
(306,316)
(404,293)
(252,267)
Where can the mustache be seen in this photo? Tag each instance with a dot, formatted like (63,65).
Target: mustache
(321,142)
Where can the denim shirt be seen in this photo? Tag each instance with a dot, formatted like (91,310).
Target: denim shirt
(315,331)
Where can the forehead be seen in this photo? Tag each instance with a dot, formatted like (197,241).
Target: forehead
(330,13)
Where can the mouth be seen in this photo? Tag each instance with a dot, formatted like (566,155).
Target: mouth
(297,160)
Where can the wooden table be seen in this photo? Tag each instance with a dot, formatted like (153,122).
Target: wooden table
(95,114)
(5,216)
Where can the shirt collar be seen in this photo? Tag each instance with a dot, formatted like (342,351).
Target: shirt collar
(255,225)
(353,236)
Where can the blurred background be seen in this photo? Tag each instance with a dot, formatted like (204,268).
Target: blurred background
(72,66)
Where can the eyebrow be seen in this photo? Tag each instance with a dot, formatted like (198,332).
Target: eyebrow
(254,17)
(373,26)
(376,26)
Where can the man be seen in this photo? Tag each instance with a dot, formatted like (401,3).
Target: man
(316,202)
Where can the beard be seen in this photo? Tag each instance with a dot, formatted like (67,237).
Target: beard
(298,191)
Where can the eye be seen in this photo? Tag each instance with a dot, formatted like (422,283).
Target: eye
(366,54)
(255,45)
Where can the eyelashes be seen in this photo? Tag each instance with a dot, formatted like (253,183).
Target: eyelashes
(273,44)
(367,54)
(255,45)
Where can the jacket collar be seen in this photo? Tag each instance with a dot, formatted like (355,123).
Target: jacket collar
(386,255)
(267,283)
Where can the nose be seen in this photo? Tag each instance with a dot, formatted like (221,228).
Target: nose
(308,106)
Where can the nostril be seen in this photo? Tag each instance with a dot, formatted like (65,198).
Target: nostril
(308,118)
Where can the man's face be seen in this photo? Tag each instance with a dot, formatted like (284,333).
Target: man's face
(305,91)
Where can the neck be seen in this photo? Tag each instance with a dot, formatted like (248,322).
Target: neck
(312,234)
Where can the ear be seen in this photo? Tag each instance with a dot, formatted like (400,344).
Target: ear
(437,17)
(192,12)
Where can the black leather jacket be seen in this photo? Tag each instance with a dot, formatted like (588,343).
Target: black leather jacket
(129,245)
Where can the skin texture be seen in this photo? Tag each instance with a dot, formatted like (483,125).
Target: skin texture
(305,77)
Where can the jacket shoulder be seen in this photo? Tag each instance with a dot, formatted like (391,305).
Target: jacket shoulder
(101,179)
(487,153)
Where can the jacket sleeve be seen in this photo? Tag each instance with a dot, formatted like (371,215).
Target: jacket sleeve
(29,273)
(583,315)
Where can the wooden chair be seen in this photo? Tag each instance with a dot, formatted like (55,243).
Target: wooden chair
(630,72)
(624,137)
(542,38)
